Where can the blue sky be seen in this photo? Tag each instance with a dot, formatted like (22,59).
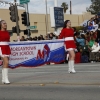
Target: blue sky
(38,6)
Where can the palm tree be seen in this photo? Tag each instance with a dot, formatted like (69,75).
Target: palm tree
(65,6)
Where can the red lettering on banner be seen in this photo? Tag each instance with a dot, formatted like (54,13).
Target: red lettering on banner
(40,55)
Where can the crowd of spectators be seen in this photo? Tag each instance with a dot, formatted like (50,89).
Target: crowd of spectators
(88,41)
(50,36)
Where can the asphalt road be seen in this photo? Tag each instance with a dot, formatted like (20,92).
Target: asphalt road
(53,82)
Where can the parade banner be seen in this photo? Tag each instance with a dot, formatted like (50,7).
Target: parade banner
(36,53)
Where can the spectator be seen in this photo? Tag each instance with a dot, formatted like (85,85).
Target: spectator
(94,54)
(41,37)
(22,38)
(90,27)
(96,18)
(81,40)
(35,38)
(91,42)
(95,25)
(30,39)
(87,36)
(98,35)
(75,31)
(46,37)
(99,19)
(51,36)
(92,21)
(91,33)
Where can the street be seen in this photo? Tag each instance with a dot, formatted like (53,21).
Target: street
(53,82)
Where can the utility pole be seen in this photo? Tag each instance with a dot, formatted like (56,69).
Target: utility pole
(56,5)
(70,7)
(17,24)
(46,18)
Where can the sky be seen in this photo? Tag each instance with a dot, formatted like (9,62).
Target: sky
(39,6)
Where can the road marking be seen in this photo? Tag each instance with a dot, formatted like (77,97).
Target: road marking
(87,65)
(42,84)
(52,83)
(64,66)
(89,71)
(56,72)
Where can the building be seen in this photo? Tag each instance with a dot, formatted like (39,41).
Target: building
(39,20)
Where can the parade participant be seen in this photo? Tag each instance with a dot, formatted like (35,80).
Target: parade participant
(4,50)
(68,34)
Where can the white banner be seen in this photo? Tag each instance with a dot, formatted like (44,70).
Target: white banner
(36,53)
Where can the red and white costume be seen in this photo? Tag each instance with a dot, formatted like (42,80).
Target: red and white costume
(68,35)
(4,43)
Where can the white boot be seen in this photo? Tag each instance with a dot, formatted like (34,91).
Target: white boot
(72,66)
(2,76)
(6,81)
(69,67)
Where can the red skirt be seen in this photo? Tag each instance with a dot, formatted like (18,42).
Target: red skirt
(5,50)
(70,44)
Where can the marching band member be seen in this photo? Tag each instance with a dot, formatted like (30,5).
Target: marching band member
(68,34)
(4,50)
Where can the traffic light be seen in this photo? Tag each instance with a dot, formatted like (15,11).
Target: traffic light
(14,29)
(25,18)
(12,13)
(26,32)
